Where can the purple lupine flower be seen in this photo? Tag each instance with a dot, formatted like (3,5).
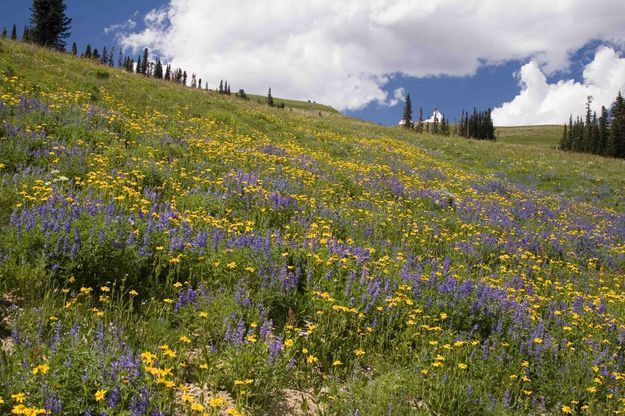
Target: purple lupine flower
(113,397)
(140,403)
(52,404)
(266,329)
(275,348)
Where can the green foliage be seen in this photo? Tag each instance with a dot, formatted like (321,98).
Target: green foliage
(407,114)
(50,25)
(592,134)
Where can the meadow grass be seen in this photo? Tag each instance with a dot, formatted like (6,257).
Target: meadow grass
(547,135)
(165,250)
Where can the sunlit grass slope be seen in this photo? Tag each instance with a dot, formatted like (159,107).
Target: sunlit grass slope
(547,135)
(170,251)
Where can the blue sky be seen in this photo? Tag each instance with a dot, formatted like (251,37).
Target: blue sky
(361,58)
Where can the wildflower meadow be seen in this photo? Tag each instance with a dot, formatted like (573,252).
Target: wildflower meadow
(167,251)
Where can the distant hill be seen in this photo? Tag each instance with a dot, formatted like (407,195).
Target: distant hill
(548,135)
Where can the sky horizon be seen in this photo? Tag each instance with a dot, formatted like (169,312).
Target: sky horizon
(532,63)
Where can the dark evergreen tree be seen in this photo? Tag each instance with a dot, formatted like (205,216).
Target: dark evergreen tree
(158,71)
(5,33)
(168,72)
(564,138)
(269,98)
(14,32)
(95,54)
(74,49)
(594,146)
(27,36)
(199,83)
(586,144)
(603,130)
(50,25)
(139,65)
(221,86)
(228,90)
(478,126)
(616,140)
(111,60)
(105,56)
(242,94)
(87,53)
(420,122)
(144,63)
(406,117)
(120,59)
(444,130)
(435,125)
(184,78)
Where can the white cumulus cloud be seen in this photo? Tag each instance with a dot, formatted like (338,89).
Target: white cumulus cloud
(343,52)
(118,27)
(542,103)
(399,95)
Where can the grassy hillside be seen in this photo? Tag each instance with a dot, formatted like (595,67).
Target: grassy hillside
(548,135)
(170,251)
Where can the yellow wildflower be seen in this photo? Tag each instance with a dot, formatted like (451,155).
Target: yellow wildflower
(100,395)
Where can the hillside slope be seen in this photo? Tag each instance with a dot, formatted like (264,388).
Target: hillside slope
(548,135)
(165,250)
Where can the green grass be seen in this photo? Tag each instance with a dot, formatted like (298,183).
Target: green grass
(547,135)
(190,250)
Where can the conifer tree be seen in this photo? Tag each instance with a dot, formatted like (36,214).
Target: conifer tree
(27,35)
(407,114)
(269,98)
(478,126)
(144,63)
(50,25)
(445,131)
(420,123)
(603,130)
(139,65)
(74,49)
(111,60)
(14,32)
(586,144)
(104,57)
(594,146)
(184,78)
(616,140)
(87,53)
(95,54)
(564,138)
(158,71)
(168,72)
(120,59)
(199,84)
(5,33)
(434,126)
(221,86)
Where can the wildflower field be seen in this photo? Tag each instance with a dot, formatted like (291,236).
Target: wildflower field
(168,251)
